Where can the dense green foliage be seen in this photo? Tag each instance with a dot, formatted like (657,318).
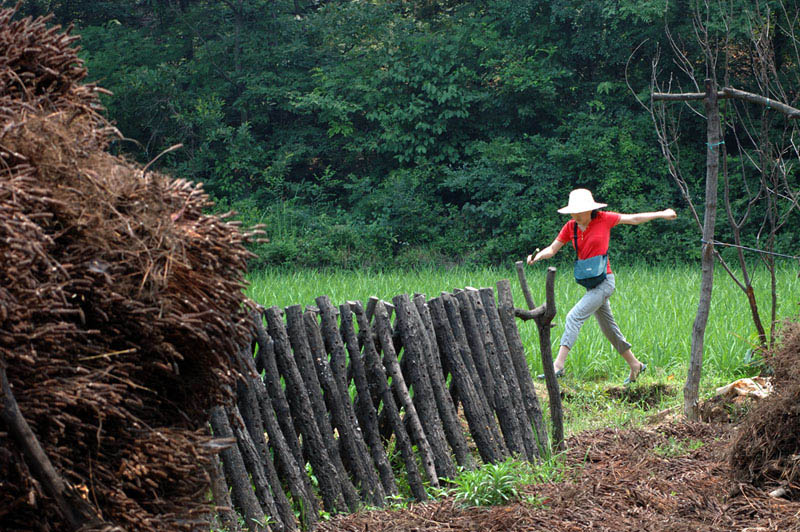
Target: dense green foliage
(370,133)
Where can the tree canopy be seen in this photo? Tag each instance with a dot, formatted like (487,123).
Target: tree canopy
(377,133)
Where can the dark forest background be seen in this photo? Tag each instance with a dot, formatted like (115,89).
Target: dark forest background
(404,133)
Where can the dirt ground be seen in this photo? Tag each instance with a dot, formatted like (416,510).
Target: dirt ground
(670,477)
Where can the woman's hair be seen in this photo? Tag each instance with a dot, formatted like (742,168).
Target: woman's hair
(595,213)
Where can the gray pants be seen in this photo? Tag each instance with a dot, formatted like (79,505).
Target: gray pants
(595,301)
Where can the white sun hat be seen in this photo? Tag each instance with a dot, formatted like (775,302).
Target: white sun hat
(581,200)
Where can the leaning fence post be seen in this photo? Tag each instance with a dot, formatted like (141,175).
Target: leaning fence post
(517,351)
(392,366)
(378,378)
(329,482)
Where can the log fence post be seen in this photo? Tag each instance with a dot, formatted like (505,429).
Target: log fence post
(504,405)
(543,316)
(400,389)
(379,379)
(470,400)
(416,373)
(367,407)
(520,361)
(504,355)
(236,474)
(329,482)
(447,410)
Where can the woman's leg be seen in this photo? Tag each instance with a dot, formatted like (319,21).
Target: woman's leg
(611,331)
(591,301)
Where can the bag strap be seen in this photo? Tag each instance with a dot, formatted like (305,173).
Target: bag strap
(575,236)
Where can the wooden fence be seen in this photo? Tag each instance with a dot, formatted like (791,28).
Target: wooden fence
(353,403)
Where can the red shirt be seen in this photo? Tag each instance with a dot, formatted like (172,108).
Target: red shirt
(594,240)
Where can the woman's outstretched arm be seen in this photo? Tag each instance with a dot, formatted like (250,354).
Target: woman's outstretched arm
(642,217)
(547,252)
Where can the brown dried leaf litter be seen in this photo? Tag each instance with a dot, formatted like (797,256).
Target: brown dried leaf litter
(620,481)
(119,302)
(651,479)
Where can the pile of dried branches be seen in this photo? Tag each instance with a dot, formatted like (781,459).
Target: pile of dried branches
(767,449)
(120,302)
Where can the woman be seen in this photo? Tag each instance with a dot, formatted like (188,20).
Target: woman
(592,235)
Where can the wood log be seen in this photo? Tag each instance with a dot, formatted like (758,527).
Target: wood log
(222,499)
(351,442)
(506,311)
(444,401)
(72,508)
(272,380)
(376,374)
(329,484)
(248,411)
(504,405)
(543,324)
(476,347)
(471,402)
(291,473)
(365,404)
(504,354)
(333,341)
(451,306)
(236,474)
(417,375)
(384,426)
(305,364)
(256,468)
(392,366)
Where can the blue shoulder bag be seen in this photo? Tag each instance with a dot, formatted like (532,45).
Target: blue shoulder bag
(592,271)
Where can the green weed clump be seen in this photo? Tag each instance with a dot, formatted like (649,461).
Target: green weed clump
(501,483)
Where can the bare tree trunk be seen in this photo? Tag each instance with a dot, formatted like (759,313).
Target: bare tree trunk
(692,388)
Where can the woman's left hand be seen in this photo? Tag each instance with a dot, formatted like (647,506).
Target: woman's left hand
(669,214)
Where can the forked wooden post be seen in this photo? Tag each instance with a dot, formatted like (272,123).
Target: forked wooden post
(543,316)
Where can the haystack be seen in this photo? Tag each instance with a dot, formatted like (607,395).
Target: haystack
(120,303)
(766,451)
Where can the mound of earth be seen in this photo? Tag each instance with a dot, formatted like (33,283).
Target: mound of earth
(671,478)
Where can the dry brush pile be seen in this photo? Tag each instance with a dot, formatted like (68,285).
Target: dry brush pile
(766,451)
(120,302)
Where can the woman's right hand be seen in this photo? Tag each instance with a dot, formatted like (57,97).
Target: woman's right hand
(531,258)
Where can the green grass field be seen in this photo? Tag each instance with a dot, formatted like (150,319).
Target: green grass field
(654,306)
